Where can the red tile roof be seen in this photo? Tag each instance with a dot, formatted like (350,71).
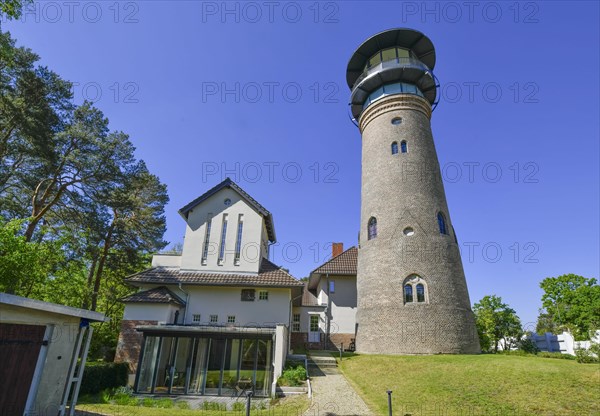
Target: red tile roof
(157,295)
(269,275)
(344,264)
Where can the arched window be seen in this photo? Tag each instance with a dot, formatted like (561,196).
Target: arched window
(420,293)
(442,223)
(415,283)
(408,293)
(395,148)
(403,147)
(372,231)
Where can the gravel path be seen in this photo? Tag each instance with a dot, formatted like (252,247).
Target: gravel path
(333,395)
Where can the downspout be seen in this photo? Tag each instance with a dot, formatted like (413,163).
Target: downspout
(187,302)
(290,320)
(327,312)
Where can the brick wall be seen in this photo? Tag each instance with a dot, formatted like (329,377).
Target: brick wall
(130,343)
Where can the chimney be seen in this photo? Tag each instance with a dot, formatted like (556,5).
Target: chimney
(336,249)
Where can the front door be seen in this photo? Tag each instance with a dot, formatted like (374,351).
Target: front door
(314,335)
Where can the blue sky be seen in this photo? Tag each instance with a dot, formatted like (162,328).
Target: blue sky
(256,91)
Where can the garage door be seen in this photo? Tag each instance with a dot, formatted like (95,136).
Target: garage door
(19,349)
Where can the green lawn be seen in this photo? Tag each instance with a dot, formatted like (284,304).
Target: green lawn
(292,406)
(475,384)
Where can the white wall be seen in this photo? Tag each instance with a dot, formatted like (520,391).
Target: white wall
(343,303)
(252,234)
(224,301)
(161,312)
(166,260)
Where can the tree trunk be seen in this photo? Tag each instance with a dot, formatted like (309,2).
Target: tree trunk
(90,279)
(107,243)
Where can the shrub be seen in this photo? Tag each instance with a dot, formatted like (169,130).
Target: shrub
(100,376)
(148,402)
(164,403)
(293,375)
(213,406)
(182,405)
(238,406)
(557,355)
(585,356)
(528,345)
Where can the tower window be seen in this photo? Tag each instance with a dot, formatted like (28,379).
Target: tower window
(442,223)
(420,293)
(395,148)
(403,146)
(415,283)
(408,293)
(397,120)
(372,231)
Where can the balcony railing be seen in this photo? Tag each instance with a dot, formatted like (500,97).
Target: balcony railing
(396,62)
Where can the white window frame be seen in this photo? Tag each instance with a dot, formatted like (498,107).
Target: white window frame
(196,317)
(231,319)
(214,319)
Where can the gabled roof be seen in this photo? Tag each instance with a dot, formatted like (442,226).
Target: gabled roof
(228,183)
(341,265)
(269,275)
(157,295)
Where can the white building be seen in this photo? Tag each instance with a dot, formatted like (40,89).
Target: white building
(213,320)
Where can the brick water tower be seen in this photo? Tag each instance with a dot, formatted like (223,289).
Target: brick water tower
(412,292)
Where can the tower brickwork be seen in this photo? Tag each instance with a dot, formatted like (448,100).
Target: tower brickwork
(411,287)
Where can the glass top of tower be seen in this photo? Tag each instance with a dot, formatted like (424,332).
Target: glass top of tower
(390,89)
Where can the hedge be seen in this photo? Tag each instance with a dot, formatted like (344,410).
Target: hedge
(99,376)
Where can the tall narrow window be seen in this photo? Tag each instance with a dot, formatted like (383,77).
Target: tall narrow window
(403,146)
(442,223)
(395,148)
(372,231)
(206,239)
(420,293)
(223,236)
(238,241)
(408,293)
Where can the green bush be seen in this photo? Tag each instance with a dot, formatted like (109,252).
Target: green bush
(557,355)
(585,356)
(213,406)
(99,376)
(182,405)
(528,345)
(238,406)
(293,375)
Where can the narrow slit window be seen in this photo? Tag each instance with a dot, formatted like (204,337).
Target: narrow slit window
(238,241)
(403,146)
(372,231)
(408,293)
(442,223)
(206,239)
(420,293)
(223,236)
(395,148)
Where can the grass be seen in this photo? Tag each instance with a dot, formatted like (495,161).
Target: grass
(292,406)
(475,384)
